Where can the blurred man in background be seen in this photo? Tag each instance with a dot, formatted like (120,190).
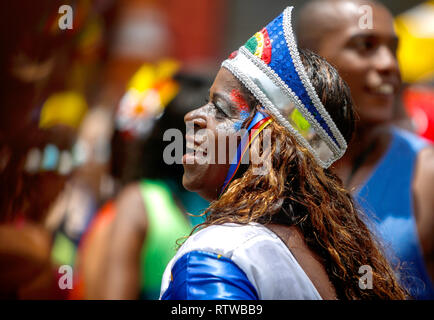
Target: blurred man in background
(390,171)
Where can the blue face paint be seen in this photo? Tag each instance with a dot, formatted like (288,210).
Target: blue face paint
(242,105)
(246,140)
(244,115)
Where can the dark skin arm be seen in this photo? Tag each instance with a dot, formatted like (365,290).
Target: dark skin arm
(26,270)
(92,259)
(122,268)
(423,195)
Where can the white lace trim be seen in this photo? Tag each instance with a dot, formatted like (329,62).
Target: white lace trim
(267,104)
(336,149)
(289,36)
(273,76)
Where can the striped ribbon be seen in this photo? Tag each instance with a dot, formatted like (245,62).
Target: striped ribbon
(259,122)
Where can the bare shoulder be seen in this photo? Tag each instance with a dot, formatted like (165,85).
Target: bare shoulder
(423,195)
(130,207)
(426,157)
(424,173)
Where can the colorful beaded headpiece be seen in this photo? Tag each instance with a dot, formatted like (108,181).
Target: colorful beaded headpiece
(269,66)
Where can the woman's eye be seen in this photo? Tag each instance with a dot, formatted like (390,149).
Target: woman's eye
(220,110)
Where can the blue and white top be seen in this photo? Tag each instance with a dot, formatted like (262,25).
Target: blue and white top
(235,262)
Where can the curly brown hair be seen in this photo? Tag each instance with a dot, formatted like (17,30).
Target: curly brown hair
(296,191)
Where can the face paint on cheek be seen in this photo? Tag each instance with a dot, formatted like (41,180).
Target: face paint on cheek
(242,105)
(239,101)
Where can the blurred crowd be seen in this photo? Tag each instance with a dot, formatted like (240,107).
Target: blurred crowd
(83,113)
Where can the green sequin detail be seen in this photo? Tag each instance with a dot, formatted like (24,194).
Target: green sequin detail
(252,44)
(302,124)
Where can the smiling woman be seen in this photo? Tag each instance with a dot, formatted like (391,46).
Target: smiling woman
(291,232)
(217,120)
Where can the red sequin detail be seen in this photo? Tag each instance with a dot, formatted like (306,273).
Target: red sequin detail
(266,52)
(233,54)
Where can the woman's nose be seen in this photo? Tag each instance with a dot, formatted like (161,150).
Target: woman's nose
(196,118)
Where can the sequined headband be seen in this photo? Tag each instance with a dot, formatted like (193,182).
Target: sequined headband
(269,65)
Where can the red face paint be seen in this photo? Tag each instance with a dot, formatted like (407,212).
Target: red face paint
(239,101)
(242,105)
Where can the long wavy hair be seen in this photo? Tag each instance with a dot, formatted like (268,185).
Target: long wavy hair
(298,192)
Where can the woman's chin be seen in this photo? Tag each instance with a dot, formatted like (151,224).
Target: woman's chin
(186,183)
(195,185)
(191,183)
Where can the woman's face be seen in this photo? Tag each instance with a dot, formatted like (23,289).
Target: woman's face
(211,131)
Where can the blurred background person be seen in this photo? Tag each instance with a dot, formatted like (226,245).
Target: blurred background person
(44,97)
(132,238)
(390,171)
(139,31)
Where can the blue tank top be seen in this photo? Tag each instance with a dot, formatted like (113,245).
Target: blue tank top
(387,199)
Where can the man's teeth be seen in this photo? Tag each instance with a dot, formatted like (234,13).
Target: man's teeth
(385,88)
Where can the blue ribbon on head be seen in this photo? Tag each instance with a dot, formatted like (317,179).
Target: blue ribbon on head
(258,117)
